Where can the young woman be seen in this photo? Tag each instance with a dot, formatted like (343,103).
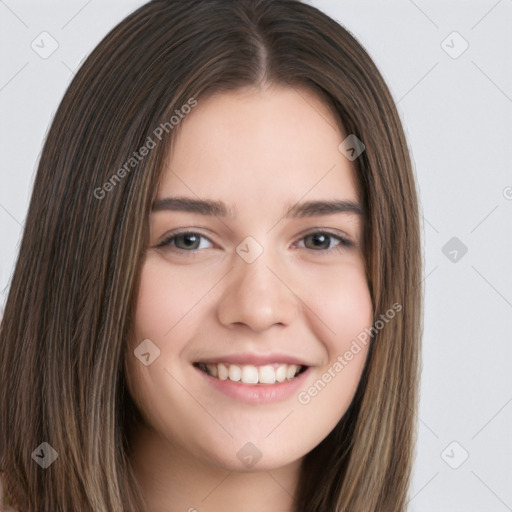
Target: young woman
(217,300)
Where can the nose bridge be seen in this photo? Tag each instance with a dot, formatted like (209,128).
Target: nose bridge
(256,294)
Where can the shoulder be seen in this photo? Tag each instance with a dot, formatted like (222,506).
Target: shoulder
(6,500)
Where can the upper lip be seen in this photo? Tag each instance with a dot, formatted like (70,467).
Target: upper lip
(254,359)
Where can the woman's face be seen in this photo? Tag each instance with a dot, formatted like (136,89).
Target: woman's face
(250,278)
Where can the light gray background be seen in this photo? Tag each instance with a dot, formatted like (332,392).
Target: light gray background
(457,113)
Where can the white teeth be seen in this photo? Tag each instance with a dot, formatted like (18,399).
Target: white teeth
(267,375)
(250,374)
(281,373)
(213,369)
(291,371)
(223,372)
(235,373)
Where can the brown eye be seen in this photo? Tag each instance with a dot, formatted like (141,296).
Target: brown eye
(321,241)
(318,241)
(187,241)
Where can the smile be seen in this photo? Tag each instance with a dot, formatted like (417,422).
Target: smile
(252,374)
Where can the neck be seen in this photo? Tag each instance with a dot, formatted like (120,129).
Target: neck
(172,480)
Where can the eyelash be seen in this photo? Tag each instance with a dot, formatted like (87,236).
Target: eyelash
(343,245)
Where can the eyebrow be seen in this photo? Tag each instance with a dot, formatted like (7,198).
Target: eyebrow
(220,209)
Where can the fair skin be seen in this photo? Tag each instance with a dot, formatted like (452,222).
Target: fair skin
(302,298)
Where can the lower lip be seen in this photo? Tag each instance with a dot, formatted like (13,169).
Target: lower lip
(257,393)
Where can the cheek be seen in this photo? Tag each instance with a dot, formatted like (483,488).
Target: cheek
(340,304)
(166,297)
(168,307)
(350,309)
(162,304)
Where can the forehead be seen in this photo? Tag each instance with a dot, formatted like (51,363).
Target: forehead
(259,147)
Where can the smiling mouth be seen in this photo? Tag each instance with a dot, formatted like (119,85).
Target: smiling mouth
(251,374)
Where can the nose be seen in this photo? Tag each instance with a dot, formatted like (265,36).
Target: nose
(257,296)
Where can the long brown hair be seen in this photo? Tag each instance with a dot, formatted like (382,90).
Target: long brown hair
(70,305)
